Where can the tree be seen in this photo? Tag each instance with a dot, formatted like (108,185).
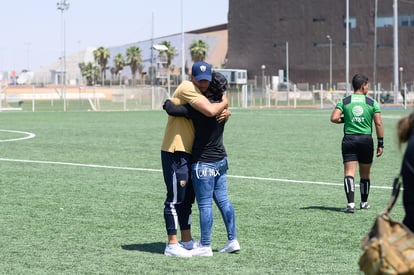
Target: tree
(133,60)
(186,69)
(90,71)
(169,53)
(141,72)
(119,64)
(101,56)
(170,56)
(198,50)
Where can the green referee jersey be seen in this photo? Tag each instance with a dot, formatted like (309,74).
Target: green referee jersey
(358,111)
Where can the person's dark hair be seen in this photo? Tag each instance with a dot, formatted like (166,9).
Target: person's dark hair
(358,80)
(405,128)
(218,85)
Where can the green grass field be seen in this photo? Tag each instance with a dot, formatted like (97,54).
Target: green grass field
(85,195)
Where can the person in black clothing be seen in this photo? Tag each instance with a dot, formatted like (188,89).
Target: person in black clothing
(406,134)
(209,169)
(360,114)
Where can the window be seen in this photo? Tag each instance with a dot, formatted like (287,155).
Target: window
(406,20)
(385,46)
(352,22)
(385,21)
(388,21)
(324,44)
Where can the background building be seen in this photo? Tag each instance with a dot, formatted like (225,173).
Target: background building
(214,36)
(258,32)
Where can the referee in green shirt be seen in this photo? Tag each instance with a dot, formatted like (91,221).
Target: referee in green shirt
(357,112)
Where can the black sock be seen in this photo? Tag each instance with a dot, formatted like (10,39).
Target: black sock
(364,186)
(349,186)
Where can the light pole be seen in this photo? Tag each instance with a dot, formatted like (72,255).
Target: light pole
(347,49)
(330,61)
(263,77)
(287,73)
(62,6)
(402,88)
(182,44)
(395,44)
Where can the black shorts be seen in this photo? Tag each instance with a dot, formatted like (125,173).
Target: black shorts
(358,148)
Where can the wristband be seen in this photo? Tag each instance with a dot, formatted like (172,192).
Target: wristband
(380,142)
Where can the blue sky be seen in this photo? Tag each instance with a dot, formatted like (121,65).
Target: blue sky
(32,35)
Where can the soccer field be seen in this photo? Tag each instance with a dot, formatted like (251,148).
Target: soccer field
(82,193)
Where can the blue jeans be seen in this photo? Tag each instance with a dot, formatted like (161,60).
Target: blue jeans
(209,181)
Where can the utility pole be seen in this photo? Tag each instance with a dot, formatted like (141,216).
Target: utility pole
(63,5)
(330,62)
(395,6)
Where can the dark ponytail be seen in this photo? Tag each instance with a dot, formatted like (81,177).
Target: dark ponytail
(405,128)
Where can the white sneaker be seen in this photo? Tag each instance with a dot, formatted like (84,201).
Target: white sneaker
(364,205)
(202,251)
(231,246)
(190,244)
(176,250)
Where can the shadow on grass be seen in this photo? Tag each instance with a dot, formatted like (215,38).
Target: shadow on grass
(157,248)
(324,208)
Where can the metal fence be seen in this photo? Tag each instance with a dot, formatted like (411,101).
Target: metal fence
(145,97)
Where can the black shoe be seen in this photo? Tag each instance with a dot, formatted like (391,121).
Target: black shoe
(349,209)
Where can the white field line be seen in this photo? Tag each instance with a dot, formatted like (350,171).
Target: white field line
(80,165)
(159,171)
(304,113)
(27,135)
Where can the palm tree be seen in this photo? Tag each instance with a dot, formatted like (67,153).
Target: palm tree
(90,71)
(186,69)
(170,56)
(133,59)
(169,53)
(119,64)
(101,56)
(198,50)
(141,72)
